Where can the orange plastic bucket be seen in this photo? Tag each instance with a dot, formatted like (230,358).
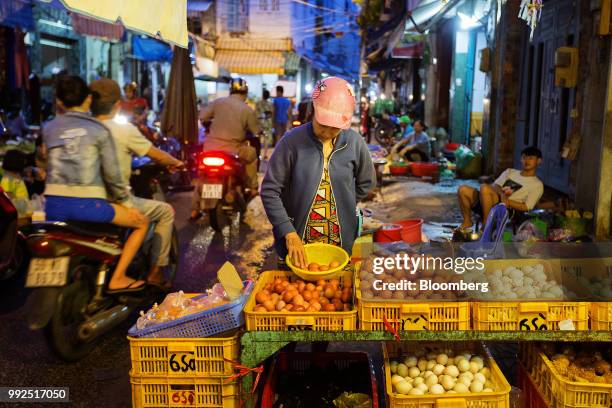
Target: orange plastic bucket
(411,230)
(389,233)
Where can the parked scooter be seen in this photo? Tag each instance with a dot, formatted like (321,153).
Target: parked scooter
(387,132)
(13,253)
(70,269)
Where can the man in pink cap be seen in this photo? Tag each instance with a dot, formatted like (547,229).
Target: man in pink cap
(316,176)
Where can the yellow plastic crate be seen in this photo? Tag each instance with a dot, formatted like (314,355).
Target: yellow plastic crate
(280,321)
(526,314)
(601,312)
(562,393)
(500,398)
(184,357)
(406,315)
(601,316)
(204,392)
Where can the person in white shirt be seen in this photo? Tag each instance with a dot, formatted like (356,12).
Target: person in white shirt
(106,102)
(519,190)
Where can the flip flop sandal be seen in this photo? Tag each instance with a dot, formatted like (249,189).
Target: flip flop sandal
(127,289)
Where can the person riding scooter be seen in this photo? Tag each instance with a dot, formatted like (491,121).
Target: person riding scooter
(230,119)
(82,174)
(106,102)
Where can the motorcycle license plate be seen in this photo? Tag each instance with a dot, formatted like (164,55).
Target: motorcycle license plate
(46,272)
(212,191)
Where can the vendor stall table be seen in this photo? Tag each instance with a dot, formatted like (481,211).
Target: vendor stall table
(258,346)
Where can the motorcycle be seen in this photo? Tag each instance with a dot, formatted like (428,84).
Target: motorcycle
(387,132)
(69,272)
(223,193)
(13,252)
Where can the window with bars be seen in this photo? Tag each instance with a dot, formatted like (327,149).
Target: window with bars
(237,15)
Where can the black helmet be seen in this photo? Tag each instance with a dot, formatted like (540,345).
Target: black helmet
(239,86)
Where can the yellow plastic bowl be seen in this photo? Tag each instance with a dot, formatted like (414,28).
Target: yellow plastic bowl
(321,254)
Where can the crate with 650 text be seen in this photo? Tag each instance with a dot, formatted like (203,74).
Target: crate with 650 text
(184,357)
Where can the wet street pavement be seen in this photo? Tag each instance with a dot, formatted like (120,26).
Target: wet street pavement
(102,378)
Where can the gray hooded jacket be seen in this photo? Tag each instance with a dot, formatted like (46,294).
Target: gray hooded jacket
(294,174)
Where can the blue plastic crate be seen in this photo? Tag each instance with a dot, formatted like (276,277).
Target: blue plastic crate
(203,324)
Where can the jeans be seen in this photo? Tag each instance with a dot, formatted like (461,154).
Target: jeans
(162,214)
(279,131)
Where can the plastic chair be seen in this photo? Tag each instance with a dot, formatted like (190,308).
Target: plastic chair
(495,224)
(490,243)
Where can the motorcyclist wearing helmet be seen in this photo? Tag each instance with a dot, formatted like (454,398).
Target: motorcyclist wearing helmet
(317,174)
(230,118)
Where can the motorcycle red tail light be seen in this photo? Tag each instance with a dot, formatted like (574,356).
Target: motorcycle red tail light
(213,161)
(46,248)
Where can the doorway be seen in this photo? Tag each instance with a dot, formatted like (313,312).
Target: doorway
(544,118)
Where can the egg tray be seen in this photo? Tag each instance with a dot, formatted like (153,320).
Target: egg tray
(499,398)
(410,315)
(283,321)
(559,391)
(601,309)
(530,314)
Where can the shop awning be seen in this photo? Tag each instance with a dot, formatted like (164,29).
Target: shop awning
(95,28)
(425,12)
(414,50)
(164,18)
(252,55)
(251,62)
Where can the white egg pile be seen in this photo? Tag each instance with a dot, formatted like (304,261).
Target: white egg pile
(598,285)
(527,282)
(442,372)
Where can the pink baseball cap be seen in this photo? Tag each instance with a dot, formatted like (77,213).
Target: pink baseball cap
(334,102)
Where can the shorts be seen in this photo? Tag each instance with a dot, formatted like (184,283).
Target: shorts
(477,208)
(78,209)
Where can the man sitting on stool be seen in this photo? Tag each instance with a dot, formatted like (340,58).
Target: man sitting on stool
(519,190)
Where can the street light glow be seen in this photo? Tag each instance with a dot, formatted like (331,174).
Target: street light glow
(308,88)
(467,22)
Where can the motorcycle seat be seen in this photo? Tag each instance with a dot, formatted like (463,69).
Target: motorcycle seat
(96,229)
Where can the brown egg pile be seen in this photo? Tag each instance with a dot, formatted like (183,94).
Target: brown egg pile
(394,275)
(315,267)
(588,365)
(299,296)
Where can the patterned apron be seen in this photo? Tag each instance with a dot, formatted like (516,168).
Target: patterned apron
(322,225)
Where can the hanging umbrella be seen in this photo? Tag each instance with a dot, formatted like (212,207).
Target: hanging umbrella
(180,116)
